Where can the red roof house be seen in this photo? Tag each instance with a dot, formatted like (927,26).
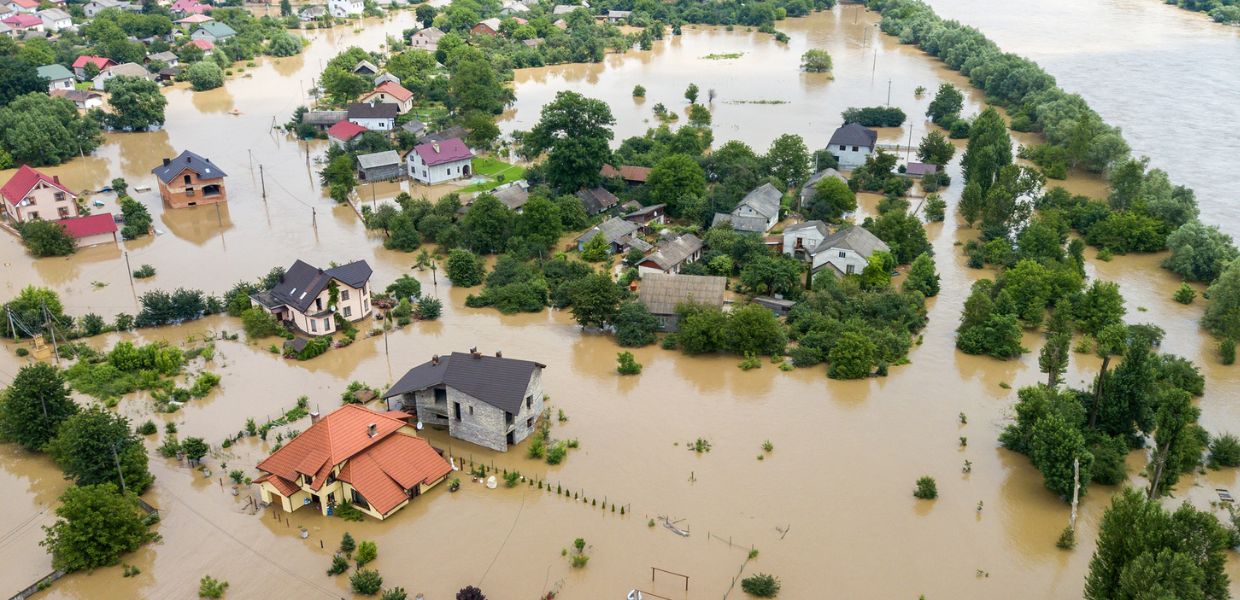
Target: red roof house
(343,132)
(32,194)
(392,93)
(204,45)
(373,460)
(22,21)
(79,65)
(91,229)
(439,161)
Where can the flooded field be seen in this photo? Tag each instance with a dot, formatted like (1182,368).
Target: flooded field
(830,509)
(1135,61)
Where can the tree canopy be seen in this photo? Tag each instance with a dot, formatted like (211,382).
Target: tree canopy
(575,132)
(34,406)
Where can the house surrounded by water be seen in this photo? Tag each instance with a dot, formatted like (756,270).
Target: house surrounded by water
(309,298)
(440,161)
(31,194)
(190,180)
(375,461)
(491,401)
(852,144)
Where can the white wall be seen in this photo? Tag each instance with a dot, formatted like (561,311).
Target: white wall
(374,124)
(850,157)
(438,173)
(810,238)
(843,263)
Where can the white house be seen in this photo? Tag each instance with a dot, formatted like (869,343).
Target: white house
(846,251)
(342,9)
(100,81)
(23,6)
(93,7)
(57,76)
(436,162)
(757,212)
(803,238)
(55,19)
(672,254)
(426,39)
(851,144)
(375,116)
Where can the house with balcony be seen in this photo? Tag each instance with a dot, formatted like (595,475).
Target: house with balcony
(31,194)
(375,461)
(310,298)
(190,180)
(491,401)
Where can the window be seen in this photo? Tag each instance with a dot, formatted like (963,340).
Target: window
(851,269)
(344,294)
(365,305)
(529,423)
(529,402)
(314,325)
(456,410)
(855,148)
(471,409)
(842,253)
(348,311)
(187,180)
(327,324)
(33,214)
(360,501)
(60,196)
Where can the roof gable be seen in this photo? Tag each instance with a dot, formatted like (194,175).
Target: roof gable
(855,238)
(333,440)
(442,152)
(854,134)
(24,180)
(303,282)
(764,200)
(500,382)
(345,130)
(188,161)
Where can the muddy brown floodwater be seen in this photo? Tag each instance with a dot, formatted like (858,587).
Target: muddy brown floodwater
(830,509)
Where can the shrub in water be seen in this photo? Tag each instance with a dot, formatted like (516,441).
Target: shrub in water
(761,585)
(926,488)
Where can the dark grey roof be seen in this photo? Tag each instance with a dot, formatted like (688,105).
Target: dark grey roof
(855,238)
(303,282)
(854,134)
(500,382)
(645,211)
(676,251)
(747,224)
(414,126)
(202,167)
(455,131)
(373,110)
(613,230)
(597,200)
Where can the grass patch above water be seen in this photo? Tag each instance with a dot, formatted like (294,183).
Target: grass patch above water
(496,172)
(756,102)
(723,55)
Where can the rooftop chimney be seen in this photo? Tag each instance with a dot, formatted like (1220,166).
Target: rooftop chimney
(475,352)
(55,178)
(314,417)
(435,145)
(499,354)
(167,161)
(435,359)
(372,430)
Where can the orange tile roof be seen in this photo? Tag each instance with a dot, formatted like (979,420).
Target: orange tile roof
(400,462)
(392,89)
(381,467)
(333,440)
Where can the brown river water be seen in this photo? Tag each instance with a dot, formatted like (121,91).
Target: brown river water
(830,509)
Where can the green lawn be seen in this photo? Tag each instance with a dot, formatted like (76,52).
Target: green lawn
(497,172)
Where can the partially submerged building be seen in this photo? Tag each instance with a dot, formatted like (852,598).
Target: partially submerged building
(190,180)
(661,293)
(491,401)
(303,297)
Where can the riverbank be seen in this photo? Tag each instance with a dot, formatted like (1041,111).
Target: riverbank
(846,453)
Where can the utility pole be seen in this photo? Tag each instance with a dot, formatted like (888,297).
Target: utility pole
(129,269)
(263,180)
(314,218)
(251,154)
(888,91)
(119,473)
(909,148)
(52,328)
(1076,491)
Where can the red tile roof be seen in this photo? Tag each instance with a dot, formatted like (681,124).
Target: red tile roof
(26,3)
(98,61)
(24,180)
(381,467)
(346,130)
(392,89)
(204,45)
(80,227)
(446,151)
(23,20)
(626,172)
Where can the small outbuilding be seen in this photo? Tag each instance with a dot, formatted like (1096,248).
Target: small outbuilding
(661,293)
(379,166)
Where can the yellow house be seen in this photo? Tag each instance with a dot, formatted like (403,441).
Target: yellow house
(373,460)
(304,296)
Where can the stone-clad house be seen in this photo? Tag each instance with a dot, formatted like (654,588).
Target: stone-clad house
(491,401)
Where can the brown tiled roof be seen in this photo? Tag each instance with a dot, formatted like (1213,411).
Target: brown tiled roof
(400,462)
(662,292)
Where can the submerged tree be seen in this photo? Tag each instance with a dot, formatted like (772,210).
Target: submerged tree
(575,132)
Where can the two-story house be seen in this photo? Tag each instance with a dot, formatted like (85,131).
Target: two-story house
(374,461)
(757,212)
(392,93)
(846,251)
(803,238)
(55,19)
(426,39)
(309,298)
(80,65)
(23,6)
(436,162)
(213,31)
(491,401)
(100,82)
(375,116)
(31,194)
(343,9)
(852,144)
(190,180)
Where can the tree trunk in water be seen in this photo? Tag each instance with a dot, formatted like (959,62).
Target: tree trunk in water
(1093,409)
(1076,491)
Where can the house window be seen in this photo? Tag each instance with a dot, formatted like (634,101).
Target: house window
(360,501)
(60,196)
(471,409)
(855,148)
(344,294)
(327,324)
(529,402)
(348,311)
(842,254)
(314,326)
(187,180)
(64,212)
(33,214)
(365,305)
(529,423)
(456,410)
(851,269)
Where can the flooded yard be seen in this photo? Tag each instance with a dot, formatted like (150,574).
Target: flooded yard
(830,509)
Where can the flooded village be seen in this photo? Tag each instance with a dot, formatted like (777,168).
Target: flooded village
(681,481)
